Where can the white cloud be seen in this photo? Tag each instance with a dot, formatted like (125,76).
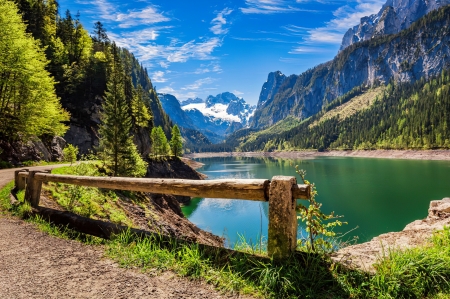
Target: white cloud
(193,50)
(305,50)
(158,77)
(164,55)
(269,7)
(210,68)
(219,21)
(181,96)
(198,83)
(106,11)
(148,15)
(238,93)
(344,18)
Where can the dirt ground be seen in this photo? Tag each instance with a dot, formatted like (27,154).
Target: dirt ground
(36,265)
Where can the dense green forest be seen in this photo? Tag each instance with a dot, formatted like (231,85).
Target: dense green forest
(406,116)
(52,67)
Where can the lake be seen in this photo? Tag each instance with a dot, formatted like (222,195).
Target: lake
(375,195)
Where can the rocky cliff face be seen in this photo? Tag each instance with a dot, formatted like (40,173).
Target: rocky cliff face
(36,149)
(422,50)
(394,16)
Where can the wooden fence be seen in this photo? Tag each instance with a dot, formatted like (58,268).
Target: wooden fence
(281,193)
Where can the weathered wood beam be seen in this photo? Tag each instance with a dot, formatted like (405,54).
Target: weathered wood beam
(282,239)
(33,189)
(243,189)
(20,180)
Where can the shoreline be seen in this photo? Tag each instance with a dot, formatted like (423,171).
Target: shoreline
(439,155)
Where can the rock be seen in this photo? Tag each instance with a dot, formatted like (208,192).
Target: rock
(80,137)
(39,147)
(363,256)
(56,149)
(438,208)
(393,17)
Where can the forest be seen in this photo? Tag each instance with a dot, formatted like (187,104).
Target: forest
(406,116)
(54,73)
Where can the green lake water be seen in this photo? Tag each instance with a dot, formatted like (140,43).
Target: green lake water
(376,195)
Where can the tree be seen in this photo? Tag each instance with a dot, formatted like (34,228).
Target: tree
(176,143)
(70,153)
(139,109)
(100,35)
(160,146)
(28,103)
(117,149)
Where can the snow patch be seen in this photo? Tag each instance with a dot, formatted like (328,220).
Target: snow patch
(218,111)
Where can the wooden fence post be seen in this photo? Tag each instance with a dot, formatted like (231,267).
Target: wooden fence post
(282,239)
(33,190)
(19,182)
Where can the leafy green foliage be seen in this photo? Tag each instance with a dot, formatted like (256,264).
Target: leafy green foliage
(160,146)
(70,153)
(318,225)
(176,143)
(28,103)
(139,109)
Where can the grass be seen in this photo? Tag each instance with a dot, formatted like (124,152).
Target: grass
(422,272)
(87,201)
(351,107)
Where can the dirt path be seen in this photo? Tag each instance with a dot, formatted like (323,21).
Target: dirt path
(36,265)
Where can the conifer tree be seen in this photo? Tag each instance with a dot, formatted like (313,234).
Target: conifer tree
(117,149)
(160,146)
(139,109)
(176,143)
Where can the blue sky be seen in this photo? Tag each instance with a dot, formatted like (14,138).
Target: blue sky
(206,47)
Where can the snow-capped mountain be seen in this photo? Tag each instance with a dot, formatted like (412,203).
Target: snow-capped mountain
(216,117)
(225,107)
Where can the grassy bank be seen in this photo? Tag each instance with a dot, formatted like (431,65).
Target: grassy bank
(417,273)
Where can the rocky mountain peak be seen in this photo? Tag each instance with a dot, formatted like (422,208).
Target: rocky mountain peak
(222,98)
(191,101)
(270,87)
(393,17)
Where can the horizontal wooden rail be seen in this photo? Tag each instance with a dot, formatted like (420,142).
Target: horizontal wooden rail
(281,193)
(249,189)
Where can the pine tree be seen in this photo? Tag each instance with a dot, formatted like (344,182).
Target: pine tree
(117,149)
(160,146)
(176,143)
(139,109)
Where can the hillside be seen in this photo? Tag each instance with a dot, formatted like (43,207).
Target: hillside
(422,50)
(402,116)
(77,68)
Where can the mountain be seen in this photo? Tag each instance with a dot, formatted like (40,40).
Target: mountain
(422,50)
(215,117)
(393,17)
(172,107)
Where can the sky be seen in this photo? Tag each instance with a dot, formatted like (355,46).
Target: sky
(205,47)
